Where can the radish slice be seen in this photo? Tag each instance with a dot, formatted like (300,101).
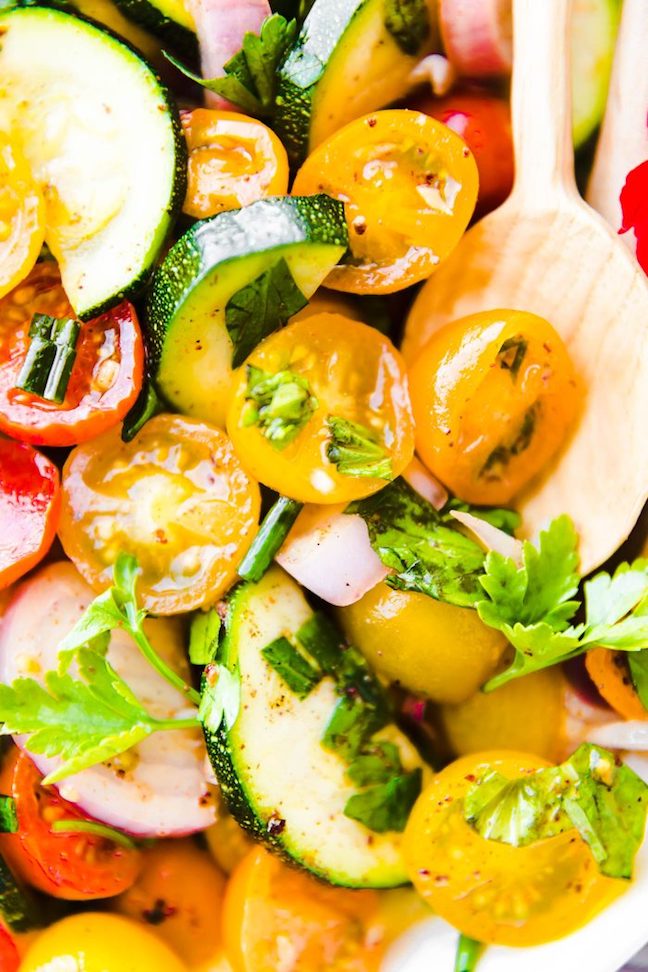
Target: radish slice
(478,36)
(621,735)
(490,537)
(425,484)
(159,787)
(221,26)
(328,552)
(582,718)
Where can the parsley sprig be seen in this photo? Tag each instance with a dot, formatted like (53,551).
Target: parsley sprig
(533,604)
(250,79)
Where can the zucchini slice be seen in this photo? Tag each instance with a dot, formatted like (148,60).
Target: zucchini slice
(20,909)
(170,20)
(350,58)
(191,350)
(281,783)
(104,142)
(106,13)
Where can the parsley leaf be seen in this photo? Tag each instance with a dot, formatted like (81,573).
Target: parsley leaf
(356,451)
(250,79)
(427,554)
(532,605)
(386,806)
(279,404)
(84,720)
(604,800)
(259,308)
(117,608)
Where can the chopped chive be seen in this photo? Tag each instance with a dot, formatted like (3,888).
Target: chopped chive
(8,815)
(91,827)
(468,954)
(293,668)
(50,357)
(355,450)
(147,404)
(203,637)
(272,533)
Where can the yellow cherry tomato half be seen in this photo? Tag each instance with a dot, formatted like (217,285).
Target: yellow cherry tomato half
(491,891)
(303,391)
(22,217)
(180,892)
(409,185)
(610,673)
(233,161)
(176,497)
(96,942)
(494,396)
(526,714)
(437,650)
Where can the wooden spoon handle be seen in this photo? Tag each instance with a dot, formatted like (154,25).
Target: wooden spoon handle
(623,143)
(541,102)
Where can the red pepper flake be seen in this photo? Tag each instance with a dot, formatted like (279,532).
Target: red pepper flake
(276,825)
(634,209)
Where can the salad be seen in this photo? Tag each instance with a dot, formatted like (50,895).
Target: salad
(283,669)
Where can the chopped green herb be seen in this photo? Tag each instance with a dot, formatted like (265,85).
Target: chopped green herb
(506,520)
(351,726)
(259,308)
(386,806)
(250,79)
(203,637)
(356,451)
(323,642)
(468,954)
(502,454)
(602,798)
(8,816)
(294,669)
(50,357)
(532,605)
(512,354)
(280,405)
(376,763)
(272,533)
(92,827)
(221,697)
(427,554)
(147,405)
(638,665)
(84,720)
(408,23)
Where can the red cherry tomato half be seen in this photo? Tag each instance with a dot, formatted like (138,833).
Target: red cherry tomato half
(30,501)
(9,957)
(484,123)
(106,376)
(75,866)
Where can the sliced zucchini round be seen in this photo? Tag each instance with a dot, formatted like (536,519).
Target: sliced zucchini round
(351,57)
(192,353)
(104,142)
(170,20)
(281,783)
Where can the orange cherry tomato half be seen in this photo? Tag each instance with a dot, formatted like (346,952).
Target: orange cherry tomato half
(276,916)
(491,891)
(75,866)
(22,217)
(233,161)
(610,673)
(176,497)
(9,955)
(106,377)
(494,396)
(30,501)
(342,369)
(409,186)
(484,123)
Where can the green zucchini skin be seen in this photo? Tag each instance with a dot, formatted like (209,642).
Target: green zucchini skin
(176,36)
(20,909)
(164,103)
(319,838)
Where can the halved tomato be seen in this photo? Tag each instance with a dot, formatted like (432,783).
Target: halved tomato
(75,866)
(30,501)
(106,376)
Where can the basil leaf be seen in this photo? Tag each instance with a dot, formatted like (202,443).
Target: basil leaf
(293,668)
(386,807)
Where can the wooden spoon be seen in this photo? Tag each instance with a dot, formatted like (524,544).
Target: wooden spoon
(544,250)
(623,143)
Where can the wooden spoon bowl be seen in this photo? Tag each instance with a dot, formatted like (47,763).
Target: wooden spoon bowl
(544,250)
